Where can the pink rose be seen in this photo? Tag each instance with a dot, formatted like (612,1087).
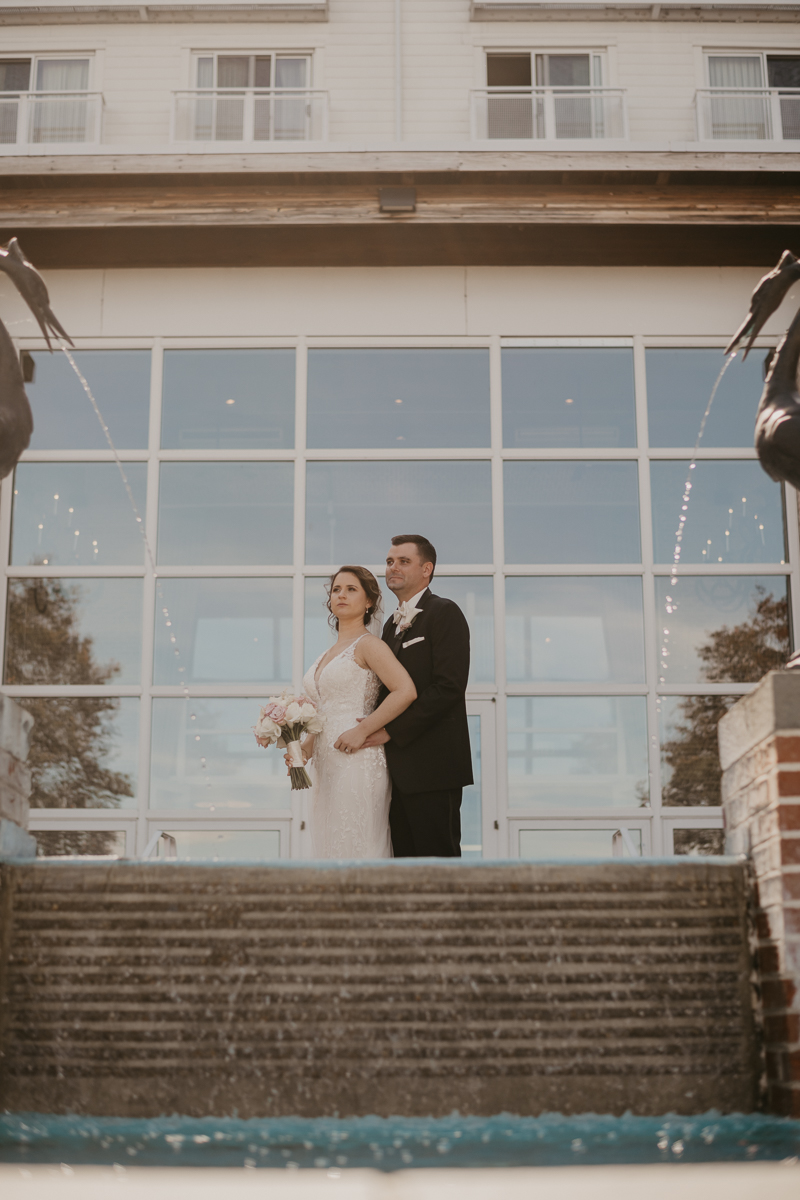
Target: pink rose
(278,713)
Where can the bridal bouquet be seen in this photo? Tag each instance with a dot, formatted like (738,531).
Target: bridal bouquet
(283,720)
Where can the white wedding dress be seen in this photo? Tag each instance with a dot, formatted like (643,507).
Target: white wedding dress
(351,792)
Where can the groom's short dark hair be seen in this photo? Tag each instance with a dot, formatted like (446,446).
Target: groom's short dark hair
(427,550)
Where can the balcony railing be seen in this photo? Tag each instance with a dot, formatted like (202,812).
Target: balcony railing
(748,114)
(549,114)
(46,118)
(250,115)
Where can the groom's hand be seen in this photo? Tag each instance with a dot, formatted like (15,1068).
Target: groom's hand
(379,738)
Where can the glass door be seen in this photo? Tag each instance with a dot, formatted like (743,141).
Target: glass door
(479,819)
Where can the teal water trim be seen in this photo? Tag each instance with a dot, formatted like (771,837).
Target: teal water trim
(397,1143)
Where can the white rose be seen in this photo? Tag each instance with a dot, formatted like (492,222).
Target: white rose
(307,713)
(267,728)
(293,713)
(314,725)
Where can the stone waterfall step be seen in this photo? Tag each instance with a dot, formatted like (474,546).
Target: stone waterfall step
(137,989)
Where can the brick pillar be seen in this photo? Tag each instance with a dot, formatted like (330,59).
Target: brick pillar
(15,781)
(759,741)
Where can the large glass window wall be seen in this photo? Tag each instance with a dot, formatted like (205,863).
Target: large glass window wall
(597,681)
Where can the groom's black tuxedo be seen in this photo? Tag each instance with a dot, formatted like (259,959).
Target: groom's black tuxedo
(429,755)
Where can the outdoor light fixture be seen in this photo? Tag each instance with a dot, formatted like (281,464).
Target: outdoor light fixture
(397,199)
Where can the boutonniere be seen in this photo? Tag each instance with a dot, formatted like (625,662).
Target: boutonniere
(405,616)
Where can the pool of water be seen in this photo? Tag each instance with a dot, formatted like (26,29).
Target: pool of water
(396,1143)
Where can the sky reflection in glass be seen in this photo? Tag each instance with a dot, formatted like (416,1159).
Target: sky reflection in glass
(735,513)
(567,629)
(237,778)
(227,631)
(228,400)
(354,508)
(571,512)
(62,412)
(543,844)
(228,845)
(679,384)
(77,514)
(568,397)
(702,605)
(577,752)
(74,631)
(225,514)
(398,399)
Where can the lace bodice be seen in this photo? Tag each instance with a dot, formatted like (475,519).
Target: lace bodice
(343,692)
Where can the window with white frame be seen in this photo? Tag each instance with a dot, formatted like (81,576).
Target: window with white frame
(548,95)
(752,96)
(551,486)
(46,98)
(251,97)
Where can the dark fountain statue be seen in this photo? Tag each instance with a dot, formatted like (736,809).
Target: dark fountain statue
(16,419)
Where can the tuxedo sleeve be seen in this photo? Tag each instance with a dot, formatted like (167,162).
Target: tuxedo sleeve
(449,639)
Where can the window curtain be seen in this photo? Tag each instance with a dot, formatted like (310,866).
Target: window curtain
(735,71)
(62,75)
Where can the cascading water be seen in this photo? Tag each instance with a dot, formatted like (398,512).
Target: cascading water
(147,547)
(669,601)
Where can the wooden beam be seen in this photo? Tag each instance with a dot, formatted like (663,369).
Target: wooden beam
(404,244)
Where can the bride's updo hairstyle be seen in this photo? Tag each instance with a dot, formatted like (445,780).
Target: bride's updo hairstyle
(370,585)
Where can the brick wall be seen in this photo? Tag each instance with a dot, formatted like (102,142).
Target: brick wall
(760,754)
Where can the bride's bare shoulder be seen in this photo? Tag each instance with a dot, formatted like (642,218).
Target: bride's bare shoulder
(368,646)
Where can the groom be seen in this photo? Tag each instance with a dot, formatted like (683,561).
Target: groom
(427,746)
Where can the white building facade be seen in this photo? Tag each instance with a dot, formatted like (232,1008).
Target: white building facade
(336,272)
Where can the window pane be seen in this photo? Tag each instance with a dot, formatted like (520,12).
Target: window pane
(398,398)
(228,399)
(567,398)
(226,631)
(474,595)
(577,752)
(679,384)
(226,513)
(84,751)
(211,845)
(237,777)
(80,843)
(571,512)
(690,770)
(570,630)
(471,822)
(735,513)
(62,75)
(697,842)
(77,514)
(543,844)
(74,631)
(353,509)
(722,628)
(63,415)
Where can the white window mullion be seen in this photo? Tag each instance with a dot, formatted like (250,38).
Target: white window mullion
(501,834)
(149,592)
(298,838)
(651,630)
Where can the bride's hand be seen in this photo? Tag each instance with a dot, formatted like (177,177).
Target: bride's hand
(351,740)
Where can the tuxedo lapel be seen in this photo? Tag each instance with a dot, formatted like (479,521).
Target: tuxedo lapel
(395,640)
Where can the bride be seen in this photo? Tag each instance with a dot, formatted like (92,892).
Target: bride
(351,786)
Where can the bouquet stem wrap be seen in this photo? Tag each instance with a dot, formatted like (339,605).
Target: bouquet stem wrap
(299,774)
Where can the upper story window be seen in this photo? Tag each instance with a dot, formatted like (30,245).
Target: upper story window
(753,97)
(253,71)
(46,99)
(550,95)
(250,98)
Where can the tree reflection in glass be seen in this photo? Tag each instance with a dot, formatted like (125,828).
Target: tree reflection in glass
(75,749)
(742,653)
